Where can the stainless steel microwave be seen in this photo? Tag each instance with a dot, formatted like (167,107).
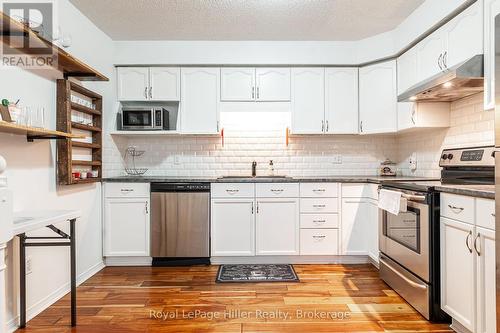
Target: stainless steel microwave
(144,118)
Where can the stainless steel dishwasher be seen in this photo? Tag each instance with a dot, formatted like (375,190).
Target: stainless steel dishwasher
(180,223)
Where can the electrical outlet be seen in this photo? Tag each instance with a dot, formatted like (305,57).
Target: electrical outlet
(29,266)
(337,159)
(177,160)
(413,162)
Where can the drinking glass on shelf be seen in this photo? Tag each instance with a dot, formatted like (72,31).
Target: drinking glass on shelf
(24,117)
(38,117)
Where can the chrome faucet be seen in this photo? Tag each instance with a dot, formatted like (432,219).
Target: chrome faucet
(254,169)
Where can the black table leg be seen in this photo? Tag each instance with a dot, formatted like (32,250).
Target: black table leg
(73,271)
(22,280)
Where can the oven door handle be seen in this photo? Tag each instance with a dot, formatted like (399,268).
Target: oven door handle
(410,282)
(412,197)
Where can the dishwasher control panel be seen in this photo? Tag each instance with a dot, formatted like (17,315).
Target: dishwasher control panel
(180,187)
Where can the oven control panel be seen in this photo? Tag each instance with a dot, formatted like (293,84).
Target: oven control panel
(476,156)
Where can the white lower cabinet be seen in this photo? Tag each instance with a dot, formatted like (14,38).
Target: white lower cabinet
(277,226)
(233,227)
(468,267)
(126,227)
(319,241)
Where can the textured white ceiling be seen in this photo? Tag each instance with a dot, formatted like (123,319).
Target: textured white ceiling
(312,20)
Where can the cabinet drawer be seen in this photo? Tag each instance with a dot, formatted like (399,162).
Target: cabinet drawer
(277,190)
(126,190)
(360,191)
(319,190)
(319,221)
(485,213)
(328,205)
(319,242)
(457,207)
(232,190)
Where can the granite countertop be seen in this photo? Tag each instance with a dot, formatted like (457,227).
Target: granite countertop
(334,179)
(481,191)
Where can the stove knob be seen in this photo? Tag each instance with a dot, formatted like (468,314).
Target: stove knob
(450,156)
(444,157)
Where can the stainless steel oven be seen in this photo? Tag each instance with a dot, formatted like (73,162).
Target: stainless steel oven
(405,237)
(144,118)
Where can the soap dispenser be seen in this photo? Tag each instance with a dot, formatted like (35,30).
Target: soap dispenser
(271,168)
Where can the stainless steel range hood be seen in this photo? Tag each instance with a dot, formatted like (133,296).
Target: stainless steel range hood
(462,80)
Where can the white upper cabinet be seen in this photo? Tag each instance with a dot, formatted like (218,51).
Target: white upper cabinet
(148,84)
(165,84)
(407,70)
(273,84)
(378,98)
(133,83)
(491,9)
(423,115)
(238,84)
(341,100)
(199,106)
(308,100)
(463,36)
(430,56)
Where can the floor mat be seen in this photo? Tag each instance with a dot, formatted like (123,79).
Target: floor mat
(256,273)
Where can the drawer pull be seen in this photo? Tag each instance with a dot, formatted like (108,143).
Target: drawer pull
(319,221)
(232,191)
(319,206)
(319,190)
(276,190)
(126,190)
(456,209)
(319,238)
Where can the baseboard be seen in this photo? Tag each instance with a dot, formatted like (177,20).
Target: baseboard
(291,260)
(457,327)
(373,261)
(128,261)
(44,303)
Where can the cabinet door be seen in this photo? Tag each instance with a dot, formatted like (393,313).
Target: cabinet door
(133,83)
(237,84)
(355,218)
(341,101)
(491,10)
(199,106)
(273,84)
(126,227)
(378,98)
(165,84)
(486,285)
(277,230)
(407,70)
(463,36)
(429,54)
(406,115)
(233,227)
(308,100)
(458,271)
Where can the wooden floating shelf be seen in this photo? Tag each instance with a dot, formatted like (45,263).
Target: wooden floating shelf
(86,145)
(86,180)
(84,109)
(86,127)
(38,133)
(66,63)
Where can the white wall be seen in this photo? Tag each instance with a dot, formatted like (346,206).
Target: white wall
(32,171)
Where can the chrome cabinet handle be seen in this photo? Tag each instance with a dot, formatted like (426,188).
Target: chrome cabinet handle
(456,209)
(319,190)
(439,61)
(319,206)
(147,211)
(327,126)
(126,190)
(276,190)
(232,191)
(469,235)
(475,244)
(151,92)
(319,221)
(258,93)
(445,60)
(361,126)
(257,207)
(146,92)
(320,237)
(252,208)
(322,126)
(253,92)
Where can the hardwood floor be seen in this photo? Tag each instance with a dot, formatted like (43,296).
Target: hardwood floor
(331,298)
